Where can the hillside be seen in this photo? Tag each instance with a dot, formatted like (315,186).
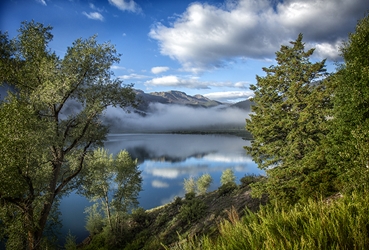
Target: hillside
(184,217)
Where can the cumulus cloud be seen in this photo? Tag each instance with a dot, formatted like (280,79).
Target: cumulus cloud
(227,96)
(207,36)
(158,70)
(94,16)
(124,5)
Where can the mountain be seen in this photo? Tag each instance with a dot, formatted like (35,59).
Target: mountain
(173,97)
(181,98)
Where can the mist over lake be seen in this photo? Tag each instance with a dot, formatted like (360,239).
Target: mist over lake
(165,160)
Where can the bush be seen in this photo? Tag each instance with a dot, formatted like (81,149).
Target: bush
(94,221)
(140,216)
(228,177)
(192,209)
(203,183)
(189,185)
(227,188)
(250,179)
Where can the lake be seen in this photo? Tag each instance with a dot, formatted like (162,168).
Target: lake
(165,161)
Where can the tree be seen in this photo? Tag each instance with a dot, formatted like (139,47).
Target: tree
(203,183)
(228,177)
(189,185)
(349,136)
(288,124)
(50,125)
(114,183)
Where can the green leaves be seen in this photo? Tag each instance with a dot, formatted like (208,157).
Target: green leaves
(287,123)
(53,121)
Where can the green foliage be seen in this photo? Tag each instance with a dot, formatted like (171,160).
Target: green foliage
(192,208)
(94,220)
(199,185)
(340,224)
(247,180)
(289,122)
(203,183)
(228,177)
(43,145)
(140,216)
(349,131)
(189,185)
(70,242)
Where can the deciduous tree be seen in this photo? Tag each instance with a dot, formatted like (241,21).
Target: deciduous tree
(50,124)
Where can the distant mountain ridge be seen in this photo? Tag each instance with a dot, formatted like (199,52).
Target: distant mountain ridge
(181,98)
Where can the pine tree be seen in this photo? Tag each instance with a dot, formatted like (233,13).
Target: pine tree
(288,122)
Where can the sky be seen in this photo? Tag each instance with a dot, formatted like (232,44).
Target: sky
(214,48)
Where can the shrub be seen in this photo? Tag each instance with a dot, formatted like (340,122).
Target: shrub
(140,216)
(94,221)
(228,177)
(192,209)
(250,179)
(203,183)
(189,185)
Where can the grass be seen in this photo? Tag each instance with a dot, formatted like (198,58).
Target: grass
(341,224)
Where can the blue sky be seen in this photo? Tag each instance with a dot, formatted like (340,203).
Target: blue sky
(214,48)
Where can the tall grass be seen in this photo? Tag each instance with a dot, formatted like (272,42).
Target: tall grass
(341,224)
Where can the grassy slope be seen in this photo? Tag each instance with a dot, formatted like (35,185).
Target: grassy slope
(165,225)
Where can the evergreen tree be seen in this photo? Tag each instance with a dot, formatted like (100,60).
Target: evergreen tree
(288,124)
(349,135)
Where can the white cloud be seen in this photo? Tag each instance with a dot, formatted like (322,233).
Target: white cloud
(206,36)
(94,16)
(175,81)
(229,95)
(124,5)
(133,76)
(115,67)
(191,82)
(159,184)
(41,2)
(157,70)
(92,6)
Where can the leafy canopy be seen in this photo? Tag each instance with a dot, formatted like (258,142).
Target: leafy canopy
(50,124)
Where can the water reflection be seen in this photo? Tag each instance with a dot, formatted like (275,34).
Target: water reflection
(165,160)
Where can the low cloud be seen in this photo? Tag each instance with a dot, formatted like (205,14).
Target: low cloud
(94,16)
(207,36)
(164,117)
(124,5)
(158,70)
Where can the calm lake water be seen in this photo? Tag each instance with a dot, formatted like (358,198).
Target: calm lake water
(165,160)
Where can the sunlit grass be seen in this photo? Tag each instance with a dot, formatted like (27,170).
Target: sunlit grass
(341,224)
